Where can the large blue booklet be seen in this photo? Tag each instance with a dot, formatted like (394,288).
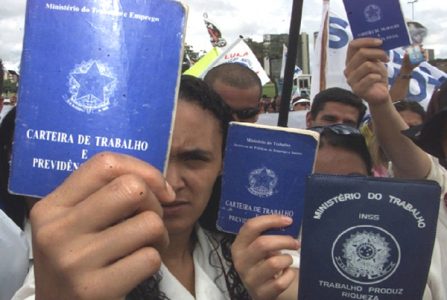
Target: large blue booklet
(96,76)
(380,19)
(367,238)
(265,171)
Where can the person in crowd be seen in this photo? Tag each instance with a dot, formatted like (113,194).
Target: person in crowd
(335,105)
(367,75)
(299,103)
(13,100)
(264,103)
(342,151)
(411,112)
(432,136)
(413,115)
(147,242)
(379,159)
(239,87)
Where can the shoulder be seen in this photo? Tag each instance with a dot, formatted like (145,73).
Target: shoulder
(437,173)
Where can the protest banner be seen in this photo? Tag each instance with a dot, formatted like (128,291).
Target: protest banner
(239,52)
(202,64)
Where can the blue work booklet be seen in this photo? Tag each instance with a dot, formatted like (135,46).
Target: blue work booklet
(95,76)
(367,238)
(265,170)
(379,19)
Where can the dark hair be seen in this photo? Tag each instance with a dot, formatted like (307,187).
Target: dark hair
(14,206)
(430,137)
(412,106)
(234,74)
(197,91)
(338,95)
(351,142)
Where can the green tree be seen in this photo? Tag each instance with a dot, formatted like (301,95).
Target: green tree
(257,48)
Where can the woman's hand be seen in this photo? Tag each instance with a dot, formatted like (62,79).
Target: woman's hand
(265,272)
(97,235)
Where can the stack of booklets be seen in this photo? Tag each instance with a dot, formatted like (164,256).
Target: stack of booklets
(367,238)
(265,171)
(96,76)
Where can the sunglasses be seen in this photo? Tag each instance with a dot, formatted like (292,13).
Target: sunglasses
(246,113)
(340,129)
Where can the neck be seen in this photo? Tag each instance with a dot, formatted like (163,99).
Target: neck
(180,247)
(179,260)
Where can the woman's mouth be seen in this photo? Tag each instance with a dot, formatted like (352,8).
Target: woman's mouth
(174,208)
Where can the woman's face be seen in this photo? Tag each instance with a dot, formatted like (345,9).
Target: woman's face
(195,162)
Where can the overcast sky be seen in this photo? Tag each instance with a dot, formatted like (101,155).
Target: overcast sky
(250,18)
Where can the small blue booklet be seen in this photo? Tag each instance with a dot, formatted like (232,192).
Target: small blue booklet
(367,238)
(379,19)
(96,76)
(265,170)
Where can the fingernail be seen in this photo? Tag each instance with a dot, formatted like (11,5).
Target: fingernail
(170,190)
(286,219)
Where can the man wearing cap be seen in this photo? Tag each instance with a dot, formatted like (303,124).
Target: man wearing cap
(299,103)
(366,73)
(335,106)
(239,87)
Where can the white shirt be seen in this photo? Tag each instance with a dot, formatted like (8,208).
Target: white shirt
(209,280)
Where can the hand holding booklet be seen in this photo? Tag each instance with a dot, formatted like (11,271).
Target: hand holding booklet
(265,170)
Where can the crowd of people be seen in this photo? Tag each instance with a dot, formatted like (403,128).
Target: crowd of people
(118,229)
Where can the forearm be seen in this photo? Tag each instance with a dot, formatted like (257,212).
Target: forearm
(399,89)
(368,77)
(409,161)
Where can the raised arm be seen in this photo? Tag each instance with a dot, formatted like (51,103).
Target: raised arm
(367,75)
(399,89)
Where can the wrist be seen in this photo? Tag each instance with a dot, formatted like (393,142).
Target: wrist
(405,76)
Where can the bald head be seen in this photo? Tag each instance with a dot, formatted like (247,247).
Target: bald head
(239,87)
